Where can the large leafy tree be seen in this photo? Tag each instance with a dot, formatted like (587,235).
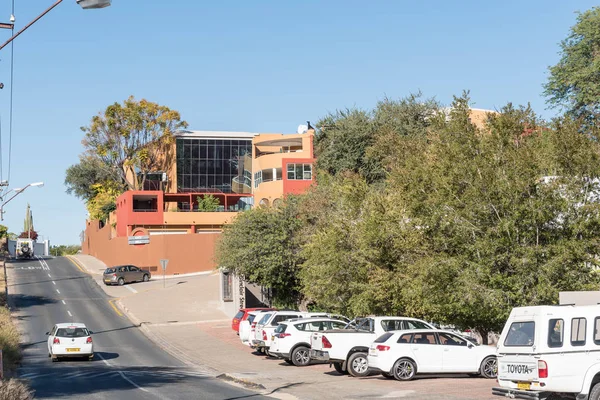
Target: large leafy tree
(84,178)
(574,82)
(261,247)
(134,138)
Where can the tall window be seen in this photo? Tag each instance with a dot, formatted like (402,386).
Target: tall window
(214,165)
(301,172)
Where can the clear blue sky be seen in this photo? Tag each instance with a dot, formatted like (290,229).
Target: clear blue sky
(259,66)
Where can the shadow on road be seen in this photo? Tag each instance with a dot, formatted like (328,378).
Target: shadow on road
(289,385)
(48,280)
(75,379)
(26,300)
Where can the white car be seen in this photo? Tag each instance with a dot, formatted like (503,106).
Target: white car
(70,340)
(403,354)
(265,328)
(291,340)
(248,326)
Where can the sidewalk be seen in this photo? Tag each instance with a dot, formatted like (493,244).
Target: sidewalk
(184,319)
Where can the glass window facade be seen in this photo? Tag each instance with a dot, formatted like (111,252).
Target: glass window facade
(214,165)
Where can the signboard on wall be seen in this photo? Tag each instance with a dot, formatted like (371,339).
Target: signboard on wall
(138,239)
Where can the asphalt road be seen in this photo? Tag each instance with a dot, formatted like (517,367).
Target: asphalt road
(126,365)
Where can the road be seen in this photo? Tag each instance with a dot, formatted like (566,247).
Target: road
(126,365)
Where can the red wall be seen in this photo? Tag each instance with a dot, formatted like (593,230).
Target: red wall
(295,186)
(186,253)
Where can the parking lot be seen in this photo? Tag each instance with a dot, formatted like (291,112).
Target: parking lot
(220,348)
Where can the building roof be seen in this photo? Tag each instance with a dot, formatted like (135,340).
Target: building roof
(215,134)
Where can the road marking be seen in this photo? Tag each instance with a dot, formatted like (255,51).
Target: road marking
(49,276)
(69,312)
(131,289)
(63,302)
(57,291)
(115,307)
(54,282)
(123,375)
(76,263)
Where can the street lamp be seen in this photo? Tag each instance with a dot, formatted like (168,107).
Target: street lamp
(18,192)
(85,4)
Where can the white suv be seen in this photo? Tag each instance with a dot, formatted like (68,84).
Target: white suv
(292,338)
(265,328)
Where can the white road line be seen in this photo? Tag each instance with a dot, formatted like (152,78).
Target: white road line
(49,276)
(123,375)
(63,302)
(57,291)
(131,289)
(54,282)
(69,312)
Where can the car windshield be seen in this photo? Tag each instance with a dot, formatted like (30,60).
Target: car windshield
(72,332)
(109,271)
(250,318)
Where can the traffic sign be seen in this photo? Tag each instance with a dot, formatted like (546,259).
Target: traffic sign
(163,264)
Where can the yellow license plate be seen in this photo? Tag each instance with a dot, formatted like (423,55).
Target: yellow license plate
(72,350)
(524,385)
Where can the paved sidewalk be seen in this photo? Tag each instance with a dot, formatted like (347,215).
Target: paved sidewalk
(184,319)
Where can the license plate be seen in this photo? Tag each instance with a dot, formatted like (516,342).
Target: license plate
(524,385)
(71,350)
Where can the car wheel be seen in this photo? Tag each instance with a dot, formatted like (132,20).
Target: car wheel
(121,281)
(301,356)
(404,369)
(54,358)
(145,278)
(338,367)
(287,360)
(90,358)
(358,364)
(387,375)
(595,393)
(489,367)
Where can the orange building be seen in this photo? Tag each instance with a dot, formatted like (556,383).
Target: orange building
(212,177)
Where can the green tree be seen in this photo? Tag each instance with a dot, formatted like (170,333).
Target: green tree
(63,250)
(261,247)
(83,179)
(134,138)
(574,82)
(207,202)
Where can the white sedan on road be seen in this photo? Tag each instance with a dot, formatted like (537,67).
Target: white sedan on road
(403,354)
(70,340)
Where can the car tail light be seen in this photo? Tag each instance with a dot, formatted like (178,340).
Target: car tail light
(89,340)
(542,369)
(264,335)
(326,343)
(56,341)
(381,347)
(283,334)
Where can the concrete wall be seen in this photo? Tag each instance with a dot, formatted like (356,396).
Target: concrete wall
(186,253)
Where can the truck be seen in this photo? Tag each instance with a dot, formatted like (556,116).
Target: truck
(24,248)
(347,349)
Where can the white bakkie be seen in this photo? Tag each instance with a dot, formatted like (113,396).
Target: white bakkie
(550,351)
(347,349)
(70,340)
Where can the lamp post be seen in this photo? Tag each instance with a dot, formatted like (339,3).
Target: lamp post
(85,4)
(18,192)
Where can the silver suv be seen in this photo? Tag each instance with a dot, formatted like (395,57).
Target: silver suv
(123,274)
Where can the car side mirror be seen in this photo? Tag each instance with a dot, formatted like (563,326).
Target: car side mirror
(470,345)
(91,333)
(47,333)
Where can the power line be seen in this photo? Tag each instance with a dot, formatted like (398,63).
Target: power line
(12,63)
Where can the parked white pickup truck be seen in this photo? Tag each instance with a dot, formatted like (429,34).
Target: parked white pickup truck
(347,349)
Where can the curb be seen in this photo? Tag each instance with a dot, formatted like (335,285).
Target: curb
(244,382)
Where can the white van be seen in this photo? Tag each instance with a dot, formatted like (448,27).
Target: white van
(550,350)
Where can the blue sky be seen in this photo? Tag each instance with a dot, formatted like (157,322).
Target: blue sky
(258,66)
